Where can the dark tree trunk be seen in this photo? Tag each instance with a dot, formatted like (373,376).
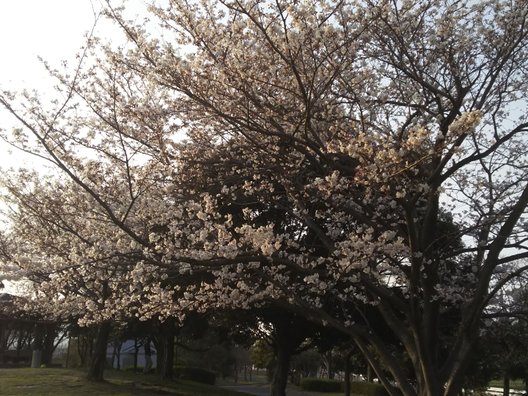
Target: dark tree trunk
(158,344)
(98,358)
(136,352)
(49,343)
(287,337)
(329,363)
(36,358)
(116,354)
(82,349)
(3,341)
(370,374)
(167,343)
(280,375)
(506,384)
(347,374)
(148,355)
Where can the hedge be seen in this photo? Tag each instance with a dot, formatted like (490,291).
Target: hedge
(321,385)
(195,374)
(368,389)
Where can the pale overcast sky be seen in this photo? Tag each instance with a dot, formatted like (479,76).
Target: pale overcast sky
(52,29)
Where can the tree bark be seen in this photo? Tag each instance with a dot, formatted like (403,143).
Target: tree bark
(347,374)
(160,358)
(330,364)
(136,353)
(148,356)
(98,358)
(3,338)
(287,337)
(167,342)
(506,384)
(36,358)
(48,344)
(370,376)
(280,375)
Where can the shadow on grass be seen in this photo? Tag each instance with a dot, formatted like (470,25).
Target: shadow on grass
(67,382)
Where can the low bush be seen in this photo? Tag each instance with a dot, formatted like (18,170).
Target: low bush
(195,374)
(321,385)
(368,389)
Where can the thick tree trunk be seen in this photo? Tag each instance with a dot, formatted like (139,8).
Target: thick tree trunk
(48,344)
(36,358)
(280,375)
(98,358)
(167,343)
(287,337)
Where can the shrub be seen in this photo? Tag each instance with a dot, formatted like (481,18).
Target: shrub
(368,389)
(321,385)
(195,374)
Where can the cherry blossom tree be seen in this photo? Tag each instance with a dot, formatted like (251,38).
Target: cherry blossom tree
(77,266)
(338,158)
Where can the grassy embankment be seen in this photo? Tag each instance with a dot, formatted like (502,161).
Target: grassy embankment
(64,382)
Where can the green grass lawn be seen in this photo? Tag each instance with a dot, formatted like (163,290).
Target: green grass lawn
(514,384)
(64,382)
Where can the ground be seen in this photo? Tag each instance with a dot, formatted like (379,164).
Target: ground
(63,382)
(67,382)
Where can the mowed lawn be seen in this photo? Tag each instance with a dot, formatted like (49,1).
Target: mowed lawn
(66,382)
